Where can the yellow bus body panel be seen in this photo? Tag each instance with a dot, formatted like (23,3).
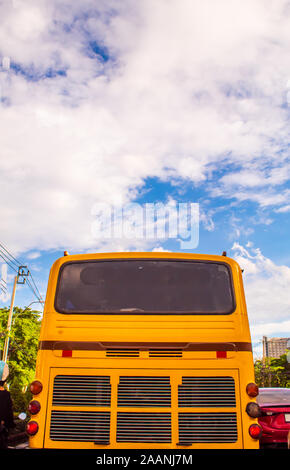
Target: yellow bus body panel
(109,331)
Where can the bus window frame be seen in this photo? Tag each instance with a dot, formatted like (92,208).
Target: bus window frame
(66,312)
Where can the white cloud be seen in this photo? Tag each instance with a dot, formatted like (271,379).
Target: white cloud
(189,88)
(243,178)
(272,329)
(284,209)
(267,292)
(33,255)
(160,249)
(206,218)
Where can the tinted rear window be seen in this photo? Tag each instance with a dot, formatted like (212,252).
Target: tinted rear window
(145,286)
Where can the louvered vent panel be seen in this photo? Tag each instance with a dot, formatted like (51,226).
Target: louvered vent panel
(144,427)
(165,353)
(144,392)
(81,390)
(122,353)
(207,427)
(207,392)
(80,426)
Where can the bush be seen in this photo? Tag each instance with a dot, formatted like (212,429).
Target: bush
(22,354)
(20,400)
(273,372)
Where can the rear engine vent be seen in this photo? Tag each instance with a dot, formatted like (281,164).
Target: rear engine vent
(207,392)
(165,353)
(81,390)
(80,426)
(122,353)
(207,427)
(143,427)
(144,391)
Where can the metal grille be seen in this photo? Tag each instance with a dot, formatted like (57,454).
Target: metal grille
(207,427)
(165,353)
(153,426)
(207,392)
(144,427)
(144,391)
(80,426)
(122,352)
(81,390)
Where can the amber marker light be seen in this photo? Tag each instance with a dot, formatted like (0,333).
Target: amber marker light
(36,387)
(252,390)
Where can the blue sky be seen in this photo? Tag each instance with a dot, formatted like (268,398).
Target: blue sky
(116,102)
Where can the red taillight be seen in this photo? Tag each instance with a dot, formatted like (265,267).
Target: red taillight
(252,390)
(255,431)
(34,407)
(32,428)
(35,387)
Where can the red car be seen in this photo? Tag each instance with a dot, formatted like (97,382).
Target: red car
(275,416)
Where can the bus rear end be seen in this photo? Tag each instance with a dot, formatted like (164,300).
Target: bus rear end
(145,350)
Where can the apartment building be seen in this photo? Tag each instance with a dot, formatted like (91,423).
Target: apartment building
(275,347)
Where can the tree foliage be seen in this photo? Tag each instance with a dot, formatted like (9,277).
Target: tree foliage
(273,372)
(22,353)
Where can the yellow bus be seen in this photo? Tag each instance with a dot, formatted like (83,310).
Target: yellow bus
(144,351)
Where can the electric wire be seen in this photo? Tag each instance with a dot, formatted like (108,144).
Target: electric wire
(14,264)
(34,291)
(20,263)
(7,262)
(35,286)
(3,285)
(11,256)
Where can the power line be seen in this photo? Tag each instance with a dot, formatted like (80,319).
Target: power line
(17,262)
(3,285)
(23,273)
(36,293)
(15,265)
(32,279)
(7,262)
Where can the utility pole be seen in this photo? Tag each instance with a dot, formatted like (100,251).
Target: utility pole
(21,272)
(6,344)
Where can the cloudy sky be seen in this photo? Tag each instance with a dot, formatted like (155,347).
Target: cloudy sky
(106,101)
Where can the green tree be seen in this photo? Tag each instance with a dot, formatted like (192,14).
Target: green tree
(22,353)
(273,373)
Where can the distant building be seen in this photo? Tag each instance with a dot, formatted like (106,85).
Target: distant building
(275,347)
